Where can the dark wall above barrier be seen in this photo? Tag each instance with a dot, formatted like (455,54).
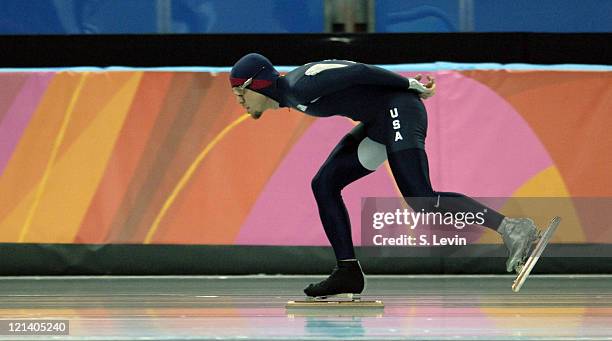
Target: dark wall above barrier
(224,50)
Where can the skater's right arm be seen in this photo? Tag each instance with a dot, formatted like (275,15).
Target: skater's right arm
(322,79)
(425,90)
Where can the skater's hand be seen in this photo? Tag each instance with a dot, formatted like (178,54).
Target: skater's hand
(425,90)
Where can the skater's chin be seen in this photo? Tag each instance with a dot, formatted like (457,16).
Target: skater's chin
(256,114)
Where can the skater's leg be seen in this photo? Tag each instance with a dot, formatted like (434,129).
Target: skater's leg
(402,128)
(353,158)
(410,169)
(346,163)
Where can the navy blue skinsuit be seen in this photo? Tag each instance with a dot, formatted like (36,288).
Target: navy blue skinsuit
(391,115)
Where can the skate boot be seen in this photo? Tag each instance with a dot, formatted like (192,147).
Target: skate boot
(346,278)
(518,235)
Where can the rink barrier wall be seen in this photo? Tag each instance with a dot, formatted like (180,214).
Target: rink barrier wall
(127,259)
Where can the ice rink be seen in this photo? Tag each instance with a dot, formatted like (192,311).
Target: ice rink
(253,308)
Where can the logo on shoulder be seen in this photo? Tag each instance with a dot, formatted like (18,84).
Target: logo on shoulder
(318,68)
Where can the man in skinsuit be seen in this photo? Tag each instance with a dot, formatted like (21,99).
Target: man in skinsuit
(393,127)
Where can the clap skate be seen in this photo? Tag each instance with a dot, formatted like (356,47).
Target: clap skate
(342,288)
(525,265)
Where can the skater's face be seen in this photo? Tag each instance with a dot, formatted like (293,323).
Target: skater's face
(254,102)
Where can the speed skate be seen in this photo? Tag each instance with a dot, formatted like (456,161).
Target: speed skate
(524,268)
(336,301)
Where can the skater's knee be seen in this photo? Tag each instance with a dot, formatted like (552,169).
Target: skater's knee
(418,193)
(317,184)
(423,201)
(323,184)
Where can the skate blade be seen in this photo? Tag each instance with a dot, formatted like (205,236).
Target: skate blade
(525,269)
(335,301)
(333,304)
(337,297)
